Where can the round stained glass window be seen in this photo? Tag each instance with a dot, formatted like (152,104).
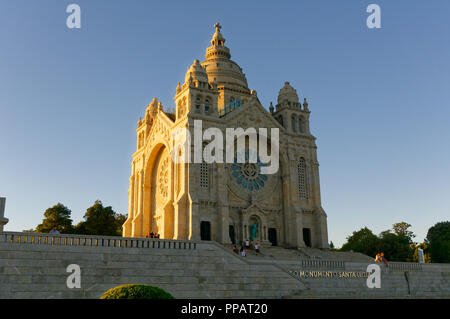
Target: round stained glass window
(246,174)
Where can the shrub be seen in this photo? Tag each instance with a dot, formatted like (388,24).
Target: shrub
(136,291)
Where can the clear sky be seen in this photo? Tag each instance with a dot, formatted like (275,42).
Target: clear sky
(380,98)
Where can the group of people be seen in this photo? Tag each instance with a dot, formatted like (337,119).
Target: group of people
(54,231)
(246,246)
(152,235)
(380,258)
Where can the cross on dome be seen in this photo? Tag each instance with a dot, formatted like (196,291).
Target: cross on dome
(218,26)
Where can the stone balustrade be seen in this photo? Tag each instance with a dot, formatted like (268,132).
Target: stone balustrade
(93,241)
(328,264)
(405,266)
(334,264)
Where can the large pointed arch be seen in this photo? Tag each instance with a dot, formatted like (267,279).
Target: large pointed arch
(158,192)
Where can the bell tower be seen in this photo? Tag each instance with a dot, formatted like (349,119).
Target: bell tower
(196,96)
(290,113)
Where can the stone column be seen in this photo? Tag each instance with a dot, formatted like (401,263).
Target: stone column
(224,224)
(134,196)
(222,204)
(194,221)
(315,191)
(3,220)
(299,227)
(137,221)
(127,226)
(141,202)
(146,207)
(322,231)
(286,225)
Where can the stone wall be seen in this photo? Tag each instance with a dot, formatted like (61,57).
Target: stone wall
(34,266)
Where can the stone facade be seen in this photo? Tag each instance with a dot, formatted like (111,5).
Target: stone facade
(221,201)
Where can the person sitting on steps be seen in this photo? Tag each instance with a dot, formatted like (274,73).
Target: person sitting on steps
(243,252)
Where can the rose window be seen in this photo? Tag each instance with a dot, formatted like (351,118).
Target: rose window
(247,174)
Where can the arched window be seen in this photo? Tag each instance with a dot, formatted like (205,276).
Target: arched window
(294,123)
(198,100)
(207,105)
(301,172)
(180,109)
(301,125)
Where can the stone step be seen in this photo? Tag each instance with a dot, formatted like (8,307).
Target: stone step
(209,271)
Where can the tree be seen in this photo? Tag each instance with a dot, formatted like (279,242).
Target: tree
(100,220)
(438,238)
(401,229)
(59,216)
(363,241)
(120,220)
(396,243)
(395,247)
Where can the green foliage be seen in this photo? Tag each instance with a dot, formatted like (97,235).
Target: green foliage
(438,238)
(363,241)
(395,247)
(401,229)
(59,216)
(120,220)
(136,291)
(100,220)
(395,244)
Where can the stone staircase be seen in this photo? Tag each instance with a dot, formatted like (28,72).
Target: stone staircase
(34,266)
(275,252)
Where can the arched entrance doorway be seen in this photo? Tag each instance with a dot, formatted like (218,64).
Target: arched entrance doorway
(161,188)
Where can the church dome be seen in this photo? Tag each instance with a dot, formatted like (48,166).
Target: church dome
(197,72)
(287,93)
(218,65)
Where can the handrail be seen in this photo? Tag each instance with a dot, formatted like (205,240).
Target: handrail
(94,241)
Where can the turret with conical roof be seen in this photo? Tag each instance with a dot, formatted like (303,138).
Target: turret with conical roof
(289,111)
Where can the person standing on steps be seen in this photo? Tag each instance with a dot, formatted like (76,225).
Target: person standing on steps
(257,248)
(247,244)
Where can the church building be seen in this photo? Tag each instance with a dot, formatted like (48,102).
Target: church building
(226,202)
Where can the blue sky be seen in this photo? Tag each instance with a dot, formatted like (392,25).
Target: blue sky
(380,98)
